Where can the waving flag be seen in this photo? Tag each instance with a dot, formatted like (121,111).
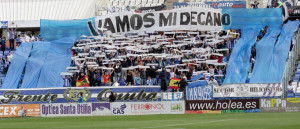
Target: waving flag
(83,82)
(174,83)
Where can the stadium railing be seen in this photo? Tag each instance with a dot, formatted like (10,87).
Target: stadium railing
(291,63)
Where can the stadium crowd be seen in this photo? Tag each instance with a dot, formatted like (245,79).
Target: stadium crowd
(151,58)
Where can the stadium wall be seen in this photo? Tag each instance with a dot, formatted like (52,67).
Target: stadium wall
(148,108)
(60,102)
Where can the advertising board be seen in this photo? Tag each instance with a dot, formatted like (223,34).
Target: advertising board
(199,92)
(280,105)
(64,109)
(101,109)
(173,107)
(172,96)
(248,90)
(143,108)
(19,110)
(234,104)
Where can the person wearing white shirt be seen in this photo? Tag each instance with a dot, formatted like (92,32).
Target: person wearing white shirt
(27,38)
(212,81)
(9,57)
(290,87)
(33,38)
(22,38)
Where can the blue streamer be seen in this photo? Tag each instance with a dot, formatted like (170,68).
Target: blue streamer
(239,61)
(16,68)
(264,51)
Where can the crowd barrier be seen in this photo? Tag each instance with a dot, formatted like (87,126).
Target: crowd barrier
(144,100)
(148,108)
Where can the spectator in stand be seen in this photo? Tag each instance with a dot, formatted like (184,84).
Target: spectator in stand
(66,81)
(112,97)
(129,78)
(18,41)
(122,81)
(220,71)
(137,79)
(32,37)
(106,78)
(3,44)
(11,34)
(92,76)
(22,38)
(149,81)
(143,76)
(108,83)
(182,84)
(163,76)
(81,75)
(73,80)
(290,88)
(211,70)
(81,98)
(6,65)
(10,56)
(118,70)
(98,78)
(212,81)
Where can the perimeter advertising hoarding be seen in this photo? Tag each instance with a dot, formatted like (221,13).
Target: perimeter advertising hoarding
(19,110)
(242,104)
(65,109)
(280,105)
(71,95)
(172,96)
(221,106)
(101,109)
(248,90)
(143,108)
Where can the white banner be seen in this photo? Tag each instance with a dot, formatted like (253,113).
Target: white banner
(188,18)
(248,90)
(66,109)
(172,96)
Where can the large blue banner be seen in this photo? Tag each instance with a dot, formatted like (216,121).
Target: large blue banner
(215,4)
(71,95)
(57,29)
(199,91)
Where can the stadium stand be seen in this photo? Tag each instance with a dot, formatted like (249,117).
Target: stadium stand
(182,53)
(123,5)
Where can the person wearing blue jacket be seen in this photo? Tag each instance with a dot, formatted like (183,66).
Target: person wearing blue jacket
(81,98)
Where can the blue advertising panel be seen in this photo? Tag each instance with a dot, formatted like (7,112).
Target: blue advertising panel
(199,91)
(71,95)
(56,29)
(173,96)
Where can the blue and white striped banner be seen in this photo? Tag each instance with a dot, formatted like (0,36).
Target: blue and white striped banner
(4,24)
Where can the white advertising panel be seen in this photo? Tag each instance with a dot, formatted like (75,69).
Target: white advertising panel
(66,109)
(248,90)
(173,107)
